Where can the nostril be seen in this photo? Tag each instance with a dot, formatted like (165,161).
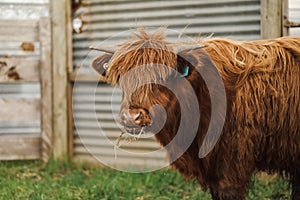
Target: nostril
(138,116)
(134,117)
(129,118)
(123,115)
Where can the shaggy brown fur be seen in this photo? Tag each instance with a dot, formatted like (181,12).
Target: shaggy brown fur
(142,49)
(262,125)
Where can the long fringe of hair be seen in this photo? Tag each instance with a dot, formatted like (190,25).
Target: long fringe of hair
(142,53)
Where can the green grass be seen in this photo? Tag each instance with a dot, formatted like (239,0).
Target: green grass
(59,180)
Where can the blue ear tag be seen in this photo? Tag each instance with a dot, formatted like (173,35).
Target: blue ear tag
(186,71)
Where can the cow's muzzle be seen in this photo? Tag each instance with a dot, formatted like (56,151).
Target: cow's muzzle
(135,120)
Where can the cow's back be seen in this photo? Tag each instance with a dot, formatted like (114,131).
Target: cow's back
(264,77)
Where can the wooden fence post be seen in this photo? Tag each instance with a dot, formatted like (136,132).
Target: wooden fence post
(285,16)
(59,74)
(46,88)
(271,19)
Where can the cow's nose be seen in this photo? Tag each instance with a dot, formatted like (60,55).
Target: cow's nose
(134,117)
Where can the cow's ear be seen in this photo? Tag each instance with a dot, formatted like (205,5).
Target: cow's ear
(100,64)
(183,66)
(184,58)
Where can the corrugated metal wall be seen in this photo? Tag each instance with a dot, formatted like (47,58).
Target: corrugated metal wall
(236,19)
(294,15)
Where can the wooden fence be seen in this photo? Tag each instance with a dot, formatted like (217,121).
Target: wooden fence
(25,59)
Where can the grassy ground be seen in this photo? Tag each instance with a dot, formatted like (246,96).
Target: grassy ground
(63,180)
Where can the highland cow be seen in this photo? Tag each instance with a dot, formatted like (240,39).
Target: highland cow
(261,130)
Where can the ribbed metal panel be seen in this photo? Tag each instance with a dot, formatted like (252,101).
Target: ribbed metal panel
(236,19)
(95,112)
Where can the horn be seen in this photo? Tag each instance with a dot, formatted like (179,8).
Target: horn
(104,49)
(188,47)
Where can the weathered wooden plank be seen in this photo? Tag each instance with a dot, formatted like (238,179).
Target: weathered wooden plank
(19,109)
(59,76)
(285,16)
(19,30)
(20,124)
(19,49)
(69,33)
(25,90)
(46,88)
(70,121)
(19,130)
(271,19)
(69,30)
(19,23)
(19,69)
(19,53)
(20,147)
(25,1)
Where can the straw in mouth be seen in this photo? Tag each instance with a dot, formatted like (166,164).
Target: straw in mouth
(132,138)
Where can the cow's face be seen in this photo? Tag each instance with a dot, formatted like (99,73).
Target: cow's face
(148,70)
(146,96)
